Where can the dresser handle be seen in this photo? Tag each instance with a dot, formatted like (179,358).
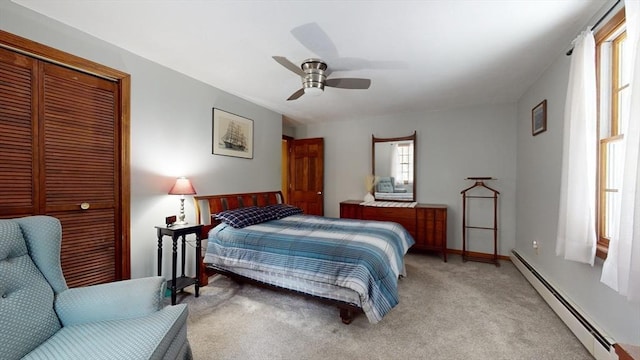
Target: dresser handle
(84,206)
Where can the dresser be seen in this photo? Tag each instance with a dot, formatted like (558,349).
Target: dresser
(427,223)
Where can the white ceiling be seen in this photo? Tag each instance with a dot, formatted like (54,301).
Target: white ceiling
(419,55)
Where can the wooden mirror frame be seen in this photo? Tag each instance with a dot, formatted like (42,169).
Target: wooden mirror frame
(375,140)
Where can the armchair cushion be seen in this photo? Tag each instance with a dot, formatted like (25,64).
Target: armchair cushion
(45,253)
(145,337)
(26,299)
(110,301)
(385,185)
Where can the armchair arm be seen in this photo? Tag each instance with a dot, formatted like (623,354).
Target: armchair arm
(116,300)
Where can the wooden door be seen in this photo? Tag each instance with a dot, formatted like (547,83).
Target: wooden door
(18,91)
(80,169)
(65,153)
(307,175)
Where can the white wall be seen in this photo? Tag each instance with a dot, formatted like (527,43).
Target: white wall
(170,134)
(538,182)
(451,145)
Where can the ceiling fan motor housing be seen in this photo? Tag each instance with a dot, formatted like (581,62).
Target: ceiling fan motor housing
(315,75)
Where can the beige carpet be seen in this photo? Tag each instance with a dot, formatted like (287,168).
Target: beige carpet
(451,310)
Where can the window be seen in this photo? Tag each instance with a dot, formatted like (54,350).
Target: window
(613,94)
(405,154)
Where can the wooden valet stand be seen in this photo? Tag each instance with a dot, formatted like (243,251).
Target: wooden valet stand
(467,194)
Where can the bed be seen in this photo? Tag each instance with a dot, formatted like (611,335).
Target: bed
(353,264)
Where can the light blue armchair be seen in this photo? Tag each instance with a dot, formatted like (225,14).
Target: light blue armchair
(40,318)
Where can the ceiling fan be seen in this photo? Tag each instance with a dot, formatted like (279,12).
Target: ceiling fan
(313,73)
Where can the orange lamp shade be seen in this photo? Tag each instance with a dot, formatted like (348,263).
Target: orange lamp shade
(182,187)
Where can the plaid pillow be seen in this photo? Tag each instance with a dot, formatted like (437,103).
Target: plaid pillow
(283,210)
(239,218)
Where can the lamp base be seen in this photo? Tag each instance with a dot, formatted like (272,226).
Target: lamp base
(181,216)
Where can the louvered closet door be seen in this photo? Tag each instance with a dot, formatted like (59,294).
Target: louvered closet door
(79,132)
(17,171)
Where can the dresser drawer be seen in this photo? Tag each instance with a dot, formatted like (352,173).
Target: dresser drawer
(403,216)
(379,213)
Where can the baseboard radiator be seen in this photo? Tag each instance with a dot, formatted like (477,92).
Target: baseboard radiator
(594,339)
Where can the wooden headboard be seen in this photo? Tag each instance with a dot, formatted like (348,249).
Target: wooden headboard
(216,203)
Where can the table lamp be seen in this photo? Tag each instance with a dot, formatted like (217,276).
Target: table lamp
(182,187)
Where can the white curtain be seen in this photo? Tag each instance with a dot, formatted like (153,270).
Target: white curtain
(396,169)
(621,269)
(576,238)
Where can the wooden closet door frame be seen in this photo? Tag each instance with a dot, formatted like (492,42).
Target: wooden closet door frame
(123,80)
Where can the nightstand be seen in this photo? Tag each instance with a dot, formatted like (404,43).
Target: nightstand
(176,232)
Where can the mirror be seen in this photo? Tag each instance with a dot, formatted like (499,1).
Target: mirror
(394,165)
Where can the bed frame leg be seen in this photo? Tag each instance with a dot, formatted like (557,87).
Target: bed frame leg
(346,315)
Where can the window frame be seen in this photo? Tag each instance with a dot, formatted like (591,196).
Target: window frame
(602,35)
(404,161)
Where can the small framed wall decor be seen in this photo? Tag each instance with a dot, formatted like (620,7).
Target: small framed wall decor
(539,118)
(232,135)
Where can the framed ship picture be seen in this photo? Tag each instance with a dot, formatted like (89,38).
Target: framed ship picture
(232,135)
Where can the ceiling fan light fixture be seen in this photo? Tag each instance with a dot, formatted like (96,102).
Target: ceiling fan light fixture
(313,91)
(313,88)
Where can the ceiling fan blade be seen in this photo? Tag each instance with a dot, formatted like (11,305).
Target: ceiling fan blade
(288,64)
(352,63)
(348,83)
(315,39)
(296,95)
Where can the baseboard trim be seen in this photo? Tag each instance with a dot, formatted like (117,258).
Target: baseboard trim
(594,339)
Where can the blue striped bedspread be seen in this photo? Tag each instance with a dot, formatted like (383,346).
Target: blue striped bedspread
(364,256)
